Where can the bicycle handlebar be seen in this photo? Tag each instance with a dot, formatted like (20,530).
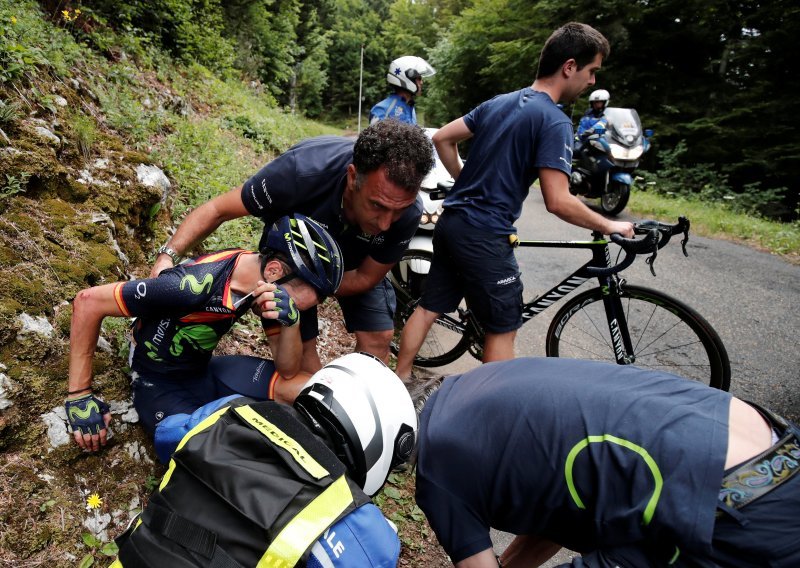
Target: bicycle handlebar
(632,247)
(657,235)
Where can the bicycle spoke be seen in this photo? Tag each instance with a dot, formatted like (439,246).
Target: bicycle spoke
(601,331)
(665,335)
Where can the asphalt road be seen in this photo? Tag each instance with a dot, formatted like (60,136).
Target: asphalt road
(751,298)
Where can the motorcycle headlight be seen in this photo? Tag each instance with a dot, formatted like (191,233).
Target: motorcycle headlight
(425,219)
(434,218)
(621,153)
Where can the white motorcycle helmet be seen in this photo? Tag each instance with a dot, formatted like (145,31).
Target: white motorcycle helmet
(404,71)
(600,95)
(365,411)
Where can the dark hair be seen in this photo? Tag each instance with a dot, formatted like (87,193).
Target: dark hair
(571,41)
(404,149)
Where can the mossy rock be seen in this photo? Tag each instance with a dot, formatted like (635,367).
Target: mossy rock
(103,258)
(20,288)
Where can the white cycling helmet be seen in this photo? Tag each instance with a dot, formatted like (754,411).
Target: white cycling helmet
(600,95)
(365,411)
(404,71)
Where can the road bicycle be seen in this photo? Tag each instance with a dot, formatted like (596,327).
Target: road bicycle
(614,321)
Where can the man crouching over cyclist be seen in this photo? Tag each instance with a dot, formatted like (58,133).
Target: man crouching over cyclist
(630,467)
(183,313)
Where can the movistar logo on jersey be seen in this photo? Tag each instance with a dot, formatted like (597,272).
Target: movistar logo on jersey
(197,337)
(152,352)
(196,287)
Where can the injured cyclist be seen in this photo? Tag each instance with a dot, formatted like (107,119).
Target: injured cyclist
(183,313)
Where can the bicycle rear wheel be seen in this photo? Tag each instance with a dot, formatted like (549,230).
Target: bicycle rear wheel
(446,340)
(666,335)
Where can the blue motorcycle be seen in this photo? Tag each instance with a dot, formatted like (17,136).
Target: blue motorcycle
(603,163)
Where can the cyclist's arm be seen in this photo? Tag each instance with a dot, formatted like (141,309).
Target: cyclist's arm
(88,310)
(484,559)
(561,203)
(202,222)
(287,350)
(363,278)
(446,141)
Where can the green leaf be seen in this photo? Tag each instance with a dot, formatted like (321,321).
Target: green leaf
(86,561)
(110,549)
(417,514)
(46,505)
(90,540)
(393,493)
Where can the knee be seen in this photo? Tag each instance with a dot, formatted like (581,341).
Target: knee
(374,342)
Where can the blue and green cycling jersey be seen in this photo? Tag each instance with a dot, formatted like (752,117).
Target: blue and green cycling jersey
(181,315)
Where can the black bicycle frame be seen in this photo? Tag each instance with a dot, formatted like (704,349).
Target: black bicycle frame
(601,257)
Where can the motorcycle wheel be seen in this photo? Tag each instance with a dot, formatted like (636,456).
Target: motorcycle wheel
(614,200)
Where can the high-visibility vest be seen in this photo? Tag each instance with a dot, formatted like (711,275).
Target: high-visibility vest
(248,486)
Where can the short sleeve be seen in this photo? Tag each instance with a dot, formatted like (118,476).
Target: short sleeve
(176,291)
(271,192)
(458,527)
(554,148)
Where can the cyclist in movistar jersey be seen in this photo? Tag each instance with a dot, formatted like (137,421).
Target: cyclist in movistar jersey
(184,312)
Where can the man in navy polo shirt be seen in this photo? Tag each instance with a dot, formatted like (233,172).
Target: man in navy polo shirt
(632,468)
(517,138)
(364,193)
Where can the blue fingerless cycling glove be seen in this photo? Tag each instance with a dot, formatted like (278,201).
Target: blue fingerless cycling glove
(288,314)
(85,414)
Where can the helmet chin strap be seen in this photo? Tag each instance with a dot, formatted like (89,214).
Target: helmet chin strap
(282,280)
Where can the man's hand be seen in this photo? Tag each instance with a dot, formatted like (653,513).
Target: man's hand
(162,263)
(624,228)
(288,314)
(88,418)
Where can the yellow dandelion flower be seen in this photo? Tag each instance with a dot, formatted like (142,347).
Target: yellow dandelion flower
(14,20)
(65,13)
(94,501)
(77,13)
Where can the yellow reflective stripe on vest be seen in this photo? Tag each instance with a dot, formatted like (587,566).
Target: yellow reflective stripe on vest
(280,439)
(301,532)
(116,564)
(207,422)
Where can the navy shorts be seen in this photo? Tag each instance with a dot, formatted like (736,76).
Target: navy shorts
(371,311)
(765,532)
(478,266)
(157,396)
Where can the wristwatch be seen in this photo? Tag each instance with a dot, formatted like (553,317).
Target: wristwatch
(176,258)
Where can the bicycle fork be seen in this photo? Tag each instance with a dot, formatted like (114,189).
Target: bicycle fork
(617,323)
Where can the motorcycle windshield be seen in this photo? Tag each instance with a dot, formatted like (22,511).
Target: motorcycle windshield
(624,126)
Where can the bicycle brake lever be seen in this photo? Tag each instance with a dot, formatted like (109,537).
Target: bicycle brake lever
(684,241)
(650,261)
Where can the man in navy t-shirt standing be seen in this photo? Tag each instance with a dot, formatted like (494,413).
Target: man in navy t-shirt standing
(630,467)
(517,138)
(364,193)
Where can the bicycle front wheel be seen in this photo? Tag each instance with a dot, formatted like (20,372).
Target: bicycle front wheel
(446,341)
(666,335)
